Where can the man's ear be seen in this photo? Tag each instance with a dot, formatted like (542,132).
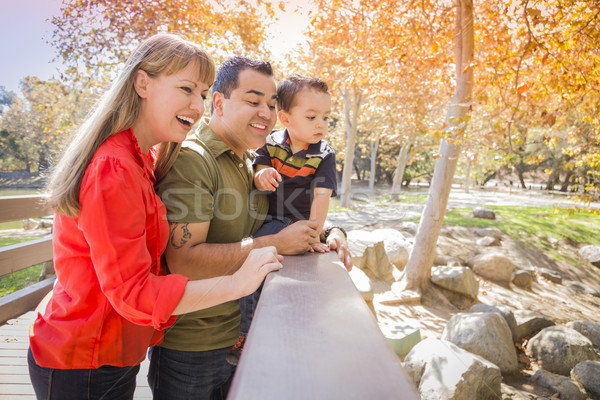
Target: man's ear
(217,103)
(141,80)
(284,118)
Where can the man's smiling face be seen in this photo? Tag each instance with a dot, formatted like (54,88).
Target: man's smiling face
(249,114)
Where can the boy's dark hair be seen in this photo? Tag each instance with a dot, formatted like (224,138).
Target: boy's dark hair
(288,87)
(228,73)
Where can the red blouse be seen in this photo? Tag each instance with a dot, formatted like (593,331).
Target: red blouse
(109,303)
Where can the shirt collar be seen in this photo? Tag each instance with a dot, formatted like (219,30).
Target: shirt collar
(281,138)
(204,133)
(146,160)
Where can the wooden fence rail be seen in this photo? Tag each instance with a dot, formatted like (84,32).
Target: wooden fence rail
(314,337)
(23,255)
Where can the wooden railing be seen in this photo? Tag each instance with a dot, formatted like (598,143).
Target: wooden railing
(23,255)
(314,337)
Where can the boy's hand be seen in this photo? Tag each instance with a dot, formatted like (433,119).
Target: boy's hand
(267,179)
(319,248)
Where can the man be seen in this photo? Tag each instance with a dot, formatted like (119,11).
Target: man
(213,211)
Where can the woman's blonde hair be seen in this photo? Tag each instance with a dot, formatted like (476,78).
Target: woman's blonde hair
(118,109)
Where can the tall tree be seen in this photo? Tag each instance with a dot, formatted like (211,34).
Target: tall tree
(418,269)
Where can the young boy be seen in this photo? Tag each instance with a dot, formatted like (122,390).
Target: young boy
(298,167)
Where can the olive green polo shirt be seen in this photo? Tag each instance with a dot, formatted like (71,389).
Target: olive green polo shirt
(209,182)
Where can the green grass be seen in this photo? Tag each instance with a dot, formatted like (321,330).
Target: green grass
(18,280)
(12,282)
(538,227)
(11,225)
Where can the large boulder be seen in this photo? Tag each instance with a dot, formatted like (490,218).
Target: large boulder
(493,232)
(441,370)
(485,334)
(479,212)
(589,329)
(396,245)
(552,276)
(523,279)
(591,253)
(558,349)
(531,322)
(581,288)
(378,252)
(493,266)
(587,373)
(505,312)
(456,279)
(369,254)
(565,387)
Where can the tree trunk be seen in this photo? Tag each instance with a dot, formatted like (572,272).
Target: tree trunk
(467,176)
(374,147)
(399,174)
(418,268)
(350,119)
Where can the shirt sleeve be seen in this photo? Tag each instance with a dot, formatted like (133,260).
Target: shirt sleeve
(189,188)
(326,174)
(115,211)
(262,157)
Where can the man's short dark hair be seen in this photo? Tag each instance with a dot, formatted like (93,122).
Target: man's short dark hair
(227,79)
(288,87)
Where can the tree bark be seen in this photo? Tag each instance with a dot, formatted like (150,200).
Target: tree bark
(374,147)
(400,167)
(351,108)
(467,176)
(418,268)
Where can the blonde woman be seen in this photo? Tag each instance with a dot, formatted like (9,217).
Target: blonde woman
(112,298)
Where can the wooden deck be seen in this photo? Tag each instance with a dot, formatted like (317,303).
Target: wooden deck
(14,376)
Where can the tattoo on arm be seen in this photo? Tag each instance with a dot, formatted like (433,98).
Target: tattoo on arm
(185,235)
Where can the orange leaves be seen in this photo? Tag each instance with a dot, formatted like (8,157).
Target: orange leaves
(522,89)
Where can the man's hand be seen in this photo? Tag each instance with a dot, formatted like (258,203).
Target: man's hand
(267,179)
(319,248)
(337,241)
(297,238)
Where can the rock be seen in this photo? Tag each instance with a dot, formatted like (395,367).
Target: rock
(582,288)
(558,349)
(494,266)
(591,253)
(531,322)
(493,232)
(589,329)
(457,279)
(441,370)
(488,241)
(552,276)
(522,279)
(362,283)
(369,255)
(565,387)
(409,227)
(505,312)
(28,224)
(587,373)
(395,246)
(484,334)
(479,212)
(460,232)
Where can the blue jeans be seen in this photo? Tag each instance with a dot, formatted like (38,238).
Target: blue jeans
(186,375)
(104,383)
(271,226)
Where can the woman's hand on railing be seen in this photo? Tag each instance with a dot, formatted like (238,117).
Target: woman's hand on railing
(256,267)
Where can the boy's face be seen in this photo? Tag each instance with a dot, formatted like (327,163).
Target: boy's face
(308,118)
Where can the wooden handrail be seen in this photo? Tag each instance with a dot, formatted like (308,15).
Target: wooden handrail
(13,208)
(23,255)
(313,337)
